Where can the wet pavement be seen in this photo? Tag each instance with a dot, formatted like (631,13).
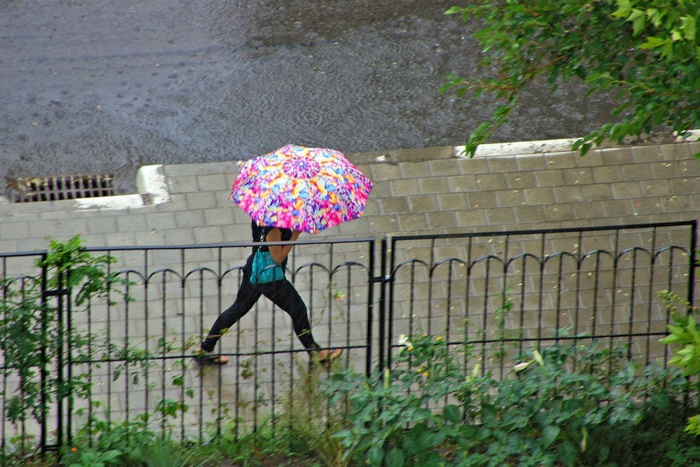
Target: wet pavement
(106,87)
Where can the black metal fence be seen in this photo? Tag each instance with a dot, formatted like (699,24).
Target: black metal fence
(502,292)
(119,359)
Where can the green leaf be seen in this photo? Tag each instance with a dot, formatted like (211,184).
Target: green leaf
(395,458)
(623,9)
(452,413)
(109,455)
(638,19)
(693,425)
(418,439)
(482,128)
(655,17)
(585,148)
(342,434)
(688,28)
(652,43)
(672,339)
(549,434)
(375,455)
(568,453)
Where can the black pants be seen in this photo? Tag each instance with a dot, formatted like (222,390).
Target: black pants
(281,293)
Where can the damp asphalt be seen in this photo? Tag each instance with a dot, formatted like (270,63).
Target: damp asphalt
(107,87)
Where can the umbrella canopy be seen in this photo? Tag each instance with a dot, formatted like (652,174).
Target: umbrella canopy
(307,189)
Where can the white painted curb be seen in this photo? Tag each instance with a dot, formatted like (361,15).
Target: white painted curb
(525,148)
(151,185)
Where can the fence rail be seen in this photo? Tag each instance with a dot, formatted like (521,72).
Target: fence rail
(127,356)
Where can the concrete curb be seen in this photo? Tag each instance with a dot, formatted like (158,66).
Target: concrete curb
(153,186)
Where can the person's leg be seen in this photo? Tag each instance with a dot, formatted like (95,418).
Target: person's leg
(247,295)
(284,295)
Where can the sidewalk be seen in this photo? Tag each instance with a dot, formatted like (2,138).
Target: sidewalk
(512,186)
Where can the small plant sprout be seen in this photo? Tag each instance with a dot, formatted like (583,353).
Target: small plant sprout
(405,343)
(338,295)
(538,358)
(522,366)
(475,372)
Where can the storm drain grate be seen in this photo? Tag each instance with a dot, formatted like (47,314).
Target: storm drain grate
(61,187)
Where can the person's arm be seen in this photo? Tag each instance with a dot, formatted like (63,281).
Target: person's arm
(279,252)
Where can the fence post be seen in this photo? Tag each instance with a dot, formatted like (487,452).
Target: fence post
(60,293)
(694,262)
(43,372)
(382,280)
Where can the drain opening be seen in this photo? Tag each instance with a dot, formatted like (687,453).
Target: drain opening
(61,187)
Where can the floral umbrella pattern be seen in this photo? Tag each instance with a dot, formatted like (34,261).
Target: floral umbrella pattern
(295,187)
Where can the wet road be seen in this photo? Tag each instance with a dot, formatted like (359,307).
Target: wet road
(96,86)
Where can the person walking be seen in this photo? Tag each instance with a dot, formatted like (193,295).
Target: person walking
(290,190)
(281,292)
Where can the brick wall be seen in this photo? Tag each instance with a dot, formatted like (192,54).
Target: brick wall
(529,185)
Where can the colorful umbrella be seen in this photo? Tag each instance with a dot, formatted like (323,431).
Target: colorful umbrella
(307,189)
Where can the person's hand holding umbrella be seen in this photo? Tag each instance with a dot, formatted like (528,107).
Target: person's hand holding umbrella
(279,253)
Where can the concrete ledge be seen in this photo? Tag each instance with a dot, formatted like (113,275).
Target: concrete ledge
(521,148)
(152,187)
(151,184)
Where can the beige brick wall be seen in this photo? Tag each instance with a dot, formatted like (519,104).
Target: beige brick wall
(525,190)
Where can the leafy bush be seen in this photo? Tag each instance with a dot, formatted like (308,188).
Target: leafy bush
(302,429)
(686,334)
(563,405)
(32,334)
(642,53)
(131,443)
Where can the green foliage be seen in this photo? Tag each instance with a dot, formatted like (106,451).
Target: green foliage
(100,443)
(34,335)
(70,266)
(31,334)
(270,443)
(302,429)
(312,418)
(686,335)
(391,424)
(683,333)
(427,411)
(646,52)
(550,415)
(560,405)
